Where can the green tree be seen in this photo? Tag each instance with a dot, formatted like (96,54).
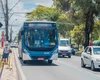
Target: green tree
(62,5)
(77,35)
(64,25)
(82,12)
(90,10)
(95,35)
(43,13)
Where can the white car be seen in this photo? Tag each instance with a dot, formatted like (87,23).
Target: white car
(64,48)
(91,56)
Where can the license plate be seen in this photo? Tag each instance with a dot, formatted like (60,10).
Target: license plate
(40,58)
(64,54)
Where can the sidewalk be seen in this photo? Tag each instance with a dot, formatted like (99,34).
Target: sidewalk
(9,73)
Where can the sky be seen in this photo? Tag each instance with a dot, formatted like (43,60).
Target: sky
(19,11)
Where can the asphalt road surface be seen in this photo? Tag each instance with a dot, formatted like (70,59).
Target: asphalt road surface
(61,69)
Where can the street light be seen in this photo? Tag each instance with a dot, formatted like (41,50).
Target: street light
(11,30)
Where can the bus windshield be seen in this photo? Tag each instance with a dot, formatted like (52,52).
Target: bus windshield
(40,38)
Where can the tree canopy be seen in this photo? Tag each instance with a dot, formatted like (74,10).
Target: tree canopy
(82,11)
(43,13)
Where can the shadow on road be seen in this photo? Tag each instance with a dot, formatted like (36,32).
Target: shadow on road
(36,63)
(88,68)
(62,57)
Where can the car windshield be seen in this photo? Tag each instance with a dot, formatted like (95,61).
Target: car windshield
(63,43)
(96,51)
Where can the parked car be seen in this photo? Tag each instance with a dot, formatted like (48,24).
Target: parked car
(64,48)
(91,56)
(14,45)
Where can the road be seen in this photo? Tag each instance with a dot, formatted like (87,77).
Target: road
(62,69)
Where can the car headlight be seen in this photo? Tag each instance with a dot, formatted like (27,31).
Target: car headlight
(98,60)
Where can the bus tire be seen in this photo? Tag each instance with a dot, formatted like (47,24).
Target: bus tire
(50,61)
(20,57)
(24,61)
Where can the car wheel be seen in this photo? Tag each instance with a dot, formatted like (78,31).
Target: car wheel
(82,63)
(92,66)
(69,56)
(50,61)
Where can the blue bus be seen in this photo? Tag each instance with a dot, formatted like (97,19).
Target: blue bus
(38,40)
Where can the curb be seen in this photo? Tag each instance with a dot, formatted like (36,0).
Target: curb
(1,71)
(2,67)
(20,73)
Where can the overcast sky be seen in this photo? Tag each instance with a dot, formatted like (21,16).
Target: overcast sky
(22,7)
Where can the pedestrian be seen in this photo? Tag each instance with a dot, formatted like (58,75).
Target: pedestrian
(6,52)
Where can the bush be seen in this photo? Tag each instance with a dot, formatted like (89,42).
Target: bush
(79,52)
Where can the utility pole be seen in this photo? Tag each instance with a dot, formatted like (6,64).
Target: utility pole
(6,20)
(11,34)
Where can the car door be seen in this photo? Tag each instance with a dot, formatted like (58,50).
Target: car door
(89,53)
(84,55)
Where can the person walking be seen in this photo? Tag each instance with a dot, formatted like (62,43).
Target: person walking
(6,52)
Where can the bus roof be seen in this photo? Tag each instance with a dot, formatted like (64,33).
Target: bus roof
(39,22)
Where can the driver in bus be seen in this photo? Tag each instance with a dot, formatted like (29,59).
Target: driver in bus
(52,36)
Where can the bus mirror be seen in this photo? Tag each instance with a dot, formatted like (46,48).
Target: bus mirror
(22,32)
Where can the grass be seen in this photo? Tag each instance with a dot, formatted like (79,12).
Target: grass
(0,55)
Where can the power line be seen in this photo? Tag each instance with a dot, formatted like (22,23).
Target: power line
(2,8)
(14,6)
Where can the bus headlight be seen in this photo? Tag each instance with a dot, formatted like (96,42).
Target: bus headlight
(25,51)
(54,55)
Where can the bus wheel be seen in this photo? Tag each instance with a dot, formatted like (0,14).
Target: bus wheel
(24,61)
(50,61)
(20,57)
